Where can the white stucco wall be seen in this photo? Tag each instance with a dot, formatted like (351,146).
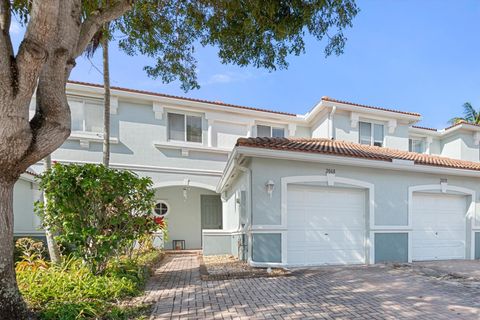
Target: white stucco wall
(184,217)
(232,202)
(26,222)
(391,187)
(398,139)
(320,127)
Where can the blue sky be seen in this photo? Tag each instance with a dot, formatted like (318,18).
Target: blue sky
(421,56)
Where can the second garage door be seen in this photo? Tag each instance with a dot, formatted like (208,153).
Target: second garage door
(326,225)
(438,226)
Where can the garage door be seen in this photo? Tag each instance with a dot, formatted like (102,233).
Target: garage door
(438,226)
(325,225)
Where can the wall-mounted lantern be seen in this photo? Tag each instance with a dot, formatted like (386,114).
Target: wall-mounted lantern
(186,187)
(269,186)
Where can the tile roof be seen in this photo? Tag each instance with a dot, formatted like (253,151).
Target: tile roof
(353,150)
(182,98)
(424,128)
(463,122)
(325,98)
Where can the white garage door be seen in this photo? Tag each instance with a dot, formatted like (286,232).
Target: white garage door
(326,225)
(438,226)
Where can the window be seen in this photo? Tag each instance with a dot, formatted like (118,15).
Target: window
(184,127)
(268,131)
(371,133)
(416,145)
(161,209)
(87,116)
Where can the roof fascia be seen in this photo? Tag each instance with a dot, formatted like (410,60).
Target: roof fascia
(80,88)
(363,111)
(358,162)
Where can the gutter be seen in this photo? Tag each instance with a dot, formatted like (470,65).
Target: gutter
(351,161)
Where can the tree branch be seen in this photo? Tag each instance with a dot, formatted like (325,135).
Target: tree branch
(6,48)
(50,125)
(33,51)
(96,20)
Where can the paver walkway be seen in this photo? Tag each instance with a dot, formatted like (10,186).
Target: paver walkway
(374,292)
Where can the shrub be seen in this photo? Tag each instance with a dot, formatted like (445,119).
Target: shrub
(72,291)
(31,254)
(96,212)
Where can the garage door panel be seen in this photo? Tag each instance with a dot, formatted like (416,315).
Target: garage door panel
(434,250)
(438,235)
(325,225)
(439,226)
(324,256)
(316,238)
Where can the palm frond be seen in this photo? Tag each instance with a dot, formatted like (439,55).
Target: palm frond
(456,120)
(470,114)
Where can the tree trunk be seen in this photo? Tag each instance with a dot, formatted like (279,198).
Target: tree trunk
(106,99)
(53,249)
(12,305)
(55,36)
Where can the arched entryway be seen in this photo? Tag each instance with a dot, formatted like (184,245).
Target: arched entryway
(188,208)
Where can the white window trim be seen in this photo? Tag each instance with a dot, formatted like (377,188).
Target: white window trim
(447,189)
(372,130)
(185,114)
(271,129)
(422,139)
(86,137)
(165,203)
(186,147)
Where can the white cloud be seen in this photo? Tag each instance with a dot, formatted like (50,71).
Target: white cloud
(220,78)
(229,77)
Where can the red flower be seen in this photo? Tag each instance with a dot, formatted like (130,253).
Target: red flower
(159,221)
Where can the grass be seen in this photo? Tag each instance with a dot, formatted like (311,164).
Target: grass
(71,291)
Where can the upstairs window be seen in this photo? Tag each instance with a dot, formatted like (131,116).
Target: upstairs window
(87,116)
(416,145)
(270,132)
(184,127)
(371,134)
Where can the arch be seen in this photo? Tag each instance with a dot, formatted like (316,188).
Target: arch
(181,183)
(447,189)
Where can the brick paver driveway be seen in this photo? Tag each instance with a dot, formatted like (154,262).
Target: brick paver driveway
(375,292)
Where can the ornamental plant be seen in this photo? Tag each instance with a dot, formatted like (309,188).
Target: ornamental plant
(96,212)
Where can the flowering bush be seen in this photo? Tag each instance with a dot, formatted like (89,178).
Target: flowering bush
(96,212)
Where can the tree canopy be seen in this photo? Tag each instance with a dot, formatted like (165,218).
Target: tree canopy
(258,33)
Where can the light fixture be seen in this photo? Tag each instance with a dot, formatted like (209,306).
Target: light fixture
(186,185)
(269,186)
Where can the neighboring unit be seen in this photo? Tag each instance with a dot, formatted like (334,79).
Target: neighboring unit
(343,184)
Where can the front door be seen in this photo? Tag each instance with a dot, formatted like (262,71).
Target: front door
(211,209)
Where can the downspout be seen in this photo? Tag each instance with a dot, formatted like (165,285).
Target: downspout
(330,123)
(247,228)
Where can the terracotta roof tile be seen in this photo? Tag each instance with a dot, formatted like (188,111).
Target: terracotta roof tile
(463,122)
(354,150)
(325,98)
(182,98)
(424,128)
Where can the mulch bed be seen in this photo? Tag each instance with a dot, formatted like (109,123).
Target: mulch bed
(225,267)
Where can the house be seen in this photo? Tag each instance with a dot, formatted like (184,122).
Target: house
(344,183)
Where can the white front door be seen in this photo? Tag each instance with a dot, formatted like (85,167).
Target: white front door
(326,225)
(439,226)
